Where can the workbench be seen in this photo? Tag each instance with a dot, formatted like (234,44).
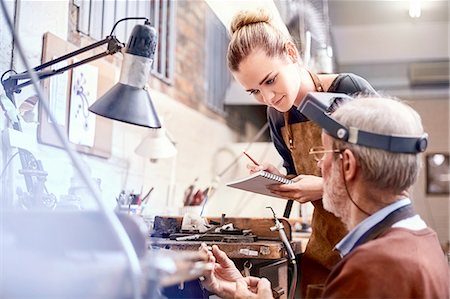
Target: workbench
(266,257)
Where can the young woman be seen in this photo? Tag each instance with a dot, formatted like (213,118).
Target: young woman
(267,64)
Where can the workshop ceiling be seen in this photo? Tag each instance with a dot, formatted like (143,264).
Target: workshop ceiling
(376,39)
(396,53)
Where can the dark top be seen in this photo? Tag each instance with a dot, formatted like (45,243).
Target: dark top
(344,83)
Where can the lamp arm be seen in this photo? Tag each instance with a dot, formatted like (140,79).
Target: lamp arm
(12,85)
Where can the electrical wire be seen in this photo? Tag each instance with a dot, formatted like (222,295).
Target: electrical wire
(216,180)
(346,189)
(290,253)
(3,75)
(7,164)
(294,278)
(129,18)
(256,137)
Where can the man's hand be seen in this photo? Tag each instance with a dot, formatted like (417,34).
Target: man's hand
(221,279)
(252,287)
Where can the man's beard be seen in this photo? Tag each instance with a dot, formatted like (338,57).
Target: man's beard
(335,199)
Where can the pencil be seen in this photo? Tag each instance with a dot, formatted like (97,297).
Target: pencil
(254,162)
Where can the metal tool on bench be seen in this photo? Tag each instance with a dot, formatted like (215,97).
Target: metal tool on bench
(225,233)
(212,232)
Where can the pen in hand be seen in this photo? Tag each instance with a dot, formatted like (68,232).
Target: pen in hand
(254,162)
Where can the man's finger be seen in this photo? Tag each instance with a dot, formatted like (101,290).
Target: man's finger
(252,281)
(264,289)
(221,257)
(242,290)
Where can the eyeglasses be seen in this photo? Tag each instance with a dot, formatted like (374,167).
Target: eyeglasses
(319,152)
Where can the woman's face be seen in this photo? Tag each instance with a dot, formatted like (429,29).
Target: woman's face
(274,81)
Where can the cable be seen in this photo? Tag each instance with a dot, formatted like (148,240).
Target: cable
(217,178)
(346,189)
(293,280)
(7,164)
(129,18)
(3,75)
(291,255)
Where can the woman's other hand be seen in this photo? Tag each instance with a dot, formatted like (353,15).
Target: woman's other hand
(304,188)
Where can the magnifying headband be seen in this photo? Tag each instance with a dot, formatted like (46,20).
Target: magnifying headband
(316,107)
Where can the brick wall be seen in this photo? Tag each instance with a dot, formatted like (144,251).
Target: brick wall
(188,86)
(189,82)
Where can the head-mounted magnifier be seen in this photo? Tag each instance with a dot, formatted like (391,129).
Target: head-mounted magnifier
(316,106)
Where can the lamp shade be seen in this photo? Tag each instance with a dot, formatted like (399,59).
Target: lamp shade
(156,145)
(128,104)
(128,101)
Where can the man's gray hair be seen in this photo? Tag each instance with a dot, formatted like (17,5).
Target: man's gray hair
(382,169)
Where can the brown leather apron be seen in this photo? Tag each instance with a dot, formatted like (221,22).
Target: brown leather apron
(327,230)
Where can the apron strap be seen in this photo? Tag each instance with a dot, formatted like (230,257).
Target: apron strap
(289,131)
(318,87)
(394,217)
(317,83)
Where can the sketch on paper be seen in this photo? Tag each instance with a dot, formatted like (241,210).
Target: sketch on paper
(83,94)
(57,99)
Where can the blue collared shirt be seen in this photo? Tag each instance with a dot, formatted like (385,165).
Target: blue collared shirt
(347,244)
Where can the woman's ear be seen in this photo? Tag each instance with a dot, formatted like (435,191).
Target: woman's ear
(291,51)
(349,165)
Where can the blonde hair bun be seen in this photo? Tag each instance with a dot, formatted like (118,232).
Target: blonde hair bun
(248,17)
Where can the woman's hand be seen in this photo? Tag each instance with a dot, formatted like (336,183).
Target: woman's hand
(266,167)
(304,189)
(221,280)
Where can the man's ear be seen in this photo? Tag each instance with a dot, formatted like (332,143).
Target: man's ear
(349,165)
(291,51)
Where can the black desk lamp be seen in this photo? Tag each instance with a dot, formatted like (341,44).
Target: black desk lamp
(127,101)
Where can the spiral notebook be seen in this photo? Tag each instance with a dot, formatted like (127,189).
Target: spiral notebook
(258,183)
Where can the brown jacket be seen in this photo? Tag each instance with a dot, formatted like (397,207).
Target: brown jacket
(401,263)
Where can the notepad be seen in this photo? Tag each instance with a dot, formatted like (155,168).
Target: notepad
(258,183)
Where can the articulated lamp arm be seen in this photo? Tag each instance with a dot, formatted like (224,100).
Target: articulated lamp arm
(32,169)
(12,85)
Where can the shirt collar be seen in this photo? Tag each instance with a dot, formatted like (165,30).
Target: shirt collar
(346,245)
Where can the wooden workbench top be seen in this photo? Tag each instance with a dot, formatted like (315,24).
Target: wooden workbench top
(255,250)
(267,247)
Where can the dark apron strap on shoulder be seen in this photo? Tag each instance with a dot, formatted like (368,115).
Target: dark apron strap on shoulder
(394,217)
(317,83)
(318,87)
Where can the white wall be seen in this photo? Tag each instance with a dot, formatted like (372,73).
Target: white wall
(358,43)
(435,210)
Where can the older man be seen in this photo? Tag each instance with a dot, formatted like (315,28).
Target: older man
(370,154)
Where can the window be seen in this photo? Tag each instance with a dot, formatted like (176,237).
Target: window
(96,18)
(217,73)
